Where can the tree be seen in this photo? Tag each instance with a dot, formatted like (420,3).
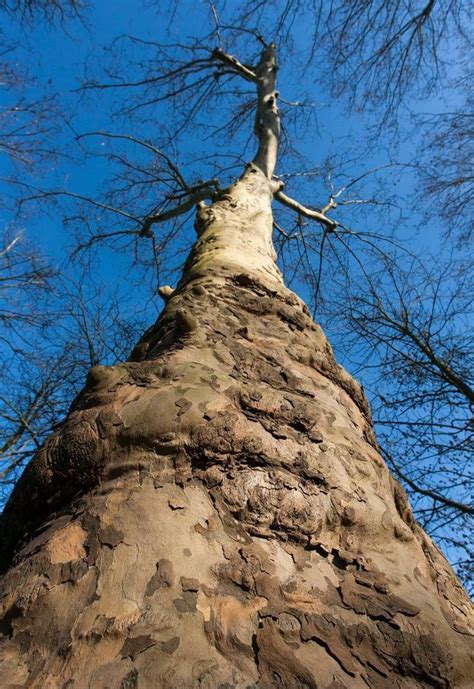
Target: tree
(53,327)
(215,511)
(371,217)
(450,155)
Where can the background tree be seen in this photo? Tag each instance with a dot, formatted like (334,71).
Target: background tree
(49,10)
(53,327)
(410,327)
(48,357)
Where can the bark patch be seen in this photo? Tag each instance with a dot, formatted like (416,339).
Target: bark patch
(163,577)
(67,544)
(136,645)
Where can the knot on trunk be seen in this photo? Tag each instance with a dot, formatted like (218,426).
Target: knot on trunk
(204,217)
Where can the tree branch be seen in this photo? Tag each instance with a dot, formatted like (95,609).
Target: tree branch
(304,210)
(443,499)
(236,66)
(126,137)
(207,192)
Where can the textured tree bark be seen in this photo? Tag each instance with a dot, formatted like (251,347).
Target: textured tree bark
(214,513)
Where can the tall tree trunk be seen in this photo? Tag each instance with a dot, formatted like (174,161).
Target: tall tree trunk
(214,513)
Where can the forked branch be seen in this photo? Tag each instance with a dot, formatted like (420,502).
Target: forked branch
(304,210)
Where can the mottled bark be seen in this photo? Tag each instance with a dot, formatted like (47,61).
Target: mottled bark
(267,117)
(215,513)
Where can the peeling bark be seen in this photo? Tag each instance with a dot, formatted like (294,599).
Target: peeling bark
(215,512)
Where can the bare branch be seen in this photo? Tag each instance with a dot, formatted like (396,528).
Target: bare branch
(207,192)
(438,497)
(304,210)
(235,65)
